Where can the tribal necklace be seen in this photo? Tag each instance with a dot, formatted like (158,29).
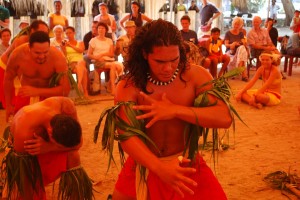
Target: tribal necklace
(155,82)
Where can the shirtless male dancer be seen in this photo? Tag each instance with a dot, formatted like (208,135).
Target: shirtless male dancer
(34,63)
(52,136)
(21,38)
(164,86)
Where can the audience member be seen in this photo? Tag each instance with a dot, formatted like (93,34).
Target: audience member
(216,54)
(5,35)
(293,46)
(259,40)
(194,6)
(57,18)
(295,23)
(269,94)
(73,50)
(273,32)
(35,63)
(208,12)
(101,50)
(135,16)
(274,8)
(23,24)
(187,34)
(181,7)
(58,38)
(124,41)
(236,46)
(108,19)
(4,17)
(89,35)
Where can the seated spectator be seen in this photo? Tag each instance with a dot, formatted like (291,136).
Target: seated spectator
(295,23)
(23,24)
(73,51)
(273,32)
(187,34)
(101,50)
(236,46)
(135,16)
(56,41)
(108,19)
(194,7)
(215,53)
(91,34)
(124,40)
(259,40)
(5,35)
(293,45)
(269,94)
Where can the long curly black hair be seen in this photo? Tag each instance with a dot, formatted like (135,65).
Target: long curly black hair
(152,34)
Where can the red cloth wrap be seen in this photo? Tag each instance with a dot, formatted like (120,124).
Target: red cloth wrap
(208,186)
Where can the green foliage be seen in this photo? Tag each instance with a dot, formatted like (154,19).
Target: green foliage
(255,5)
(75,185)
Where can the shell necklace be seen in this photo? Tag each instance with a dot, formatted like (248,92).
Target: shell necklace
(155,82)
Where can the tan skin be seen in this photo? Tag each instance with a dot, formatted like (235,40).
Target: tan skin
(104,16)
(30,123)
(114,67)
(78,67)
(130,32)
(35,79)
(269,74)
(58,7)
(236,29)
(19,41)
(5,38)
(166,115)
(256,23)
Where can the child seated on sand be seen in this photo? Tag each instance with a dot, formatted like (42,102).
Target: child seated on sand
(270,92)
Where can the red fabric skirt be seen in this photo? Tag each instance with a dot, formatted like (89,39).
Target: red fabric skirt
(208,186)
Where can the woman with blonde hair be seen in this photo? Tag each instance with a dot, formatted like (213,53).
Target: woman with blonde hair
(236,46)
(269,94)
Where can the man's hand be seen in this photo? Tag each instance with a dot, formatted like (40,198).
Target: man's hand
(158,110)
(37,145)
(28,91)
(176,176)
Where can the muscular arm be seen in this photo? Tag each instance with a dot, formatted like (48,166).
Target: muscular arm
(170,173)
(9,76)
(60,67)
(165,109)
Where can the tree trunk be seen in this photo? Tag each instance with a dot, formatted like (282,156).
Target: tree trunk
(289,11)
(241,5)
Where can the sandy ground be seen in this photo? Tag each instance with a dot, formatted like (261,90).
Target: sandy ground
(268,143)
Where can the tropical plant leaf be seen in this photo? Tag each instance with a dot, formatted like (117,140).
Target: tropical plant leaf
(113,122)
